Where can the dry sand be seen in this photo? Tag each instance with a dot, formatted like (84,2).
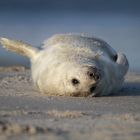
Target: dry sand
(27,114)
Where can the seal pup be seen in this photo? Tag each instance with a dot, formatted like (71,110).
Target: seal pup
(73,65)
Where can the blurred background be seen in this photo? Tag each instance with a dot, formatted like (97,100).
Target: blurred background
(115,21)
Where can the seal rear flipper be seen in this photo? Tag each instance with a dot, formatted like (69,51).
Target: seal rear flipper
(123,63)
(19,47)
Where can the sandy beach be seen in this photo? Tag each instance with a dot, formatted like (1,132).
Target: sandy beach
(25,113)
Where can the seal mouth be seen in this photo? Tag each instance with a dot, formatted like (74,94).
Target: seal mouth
(80,94)
(92,89)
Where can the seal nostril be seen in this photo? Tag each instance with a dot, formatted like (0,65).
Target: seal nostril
(92,89)
(90,74)
(97,77)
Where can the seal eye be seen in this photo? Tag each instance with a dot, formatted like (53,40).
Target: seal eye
(75,81)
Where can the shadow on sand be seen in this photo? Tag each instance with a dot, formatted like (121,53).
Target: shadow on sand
(129,89)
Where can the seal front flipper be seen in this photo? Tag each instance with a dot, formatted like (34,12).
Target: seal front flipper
(19,47)
(123,64)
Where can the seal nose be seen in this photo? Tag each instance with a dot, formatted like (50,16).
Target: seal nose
(93,73)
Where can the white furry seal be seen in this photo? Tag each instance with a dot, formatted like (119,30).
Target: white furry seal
(73,65)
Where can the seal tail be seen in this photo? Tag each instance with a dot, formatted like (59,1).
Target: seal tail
(123,63)
(19,47)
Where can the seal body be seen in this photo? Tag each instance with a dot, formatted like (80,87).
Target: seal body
(74,65)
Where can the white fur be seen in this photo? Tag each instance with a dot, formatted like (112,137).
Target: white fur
(67,56)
